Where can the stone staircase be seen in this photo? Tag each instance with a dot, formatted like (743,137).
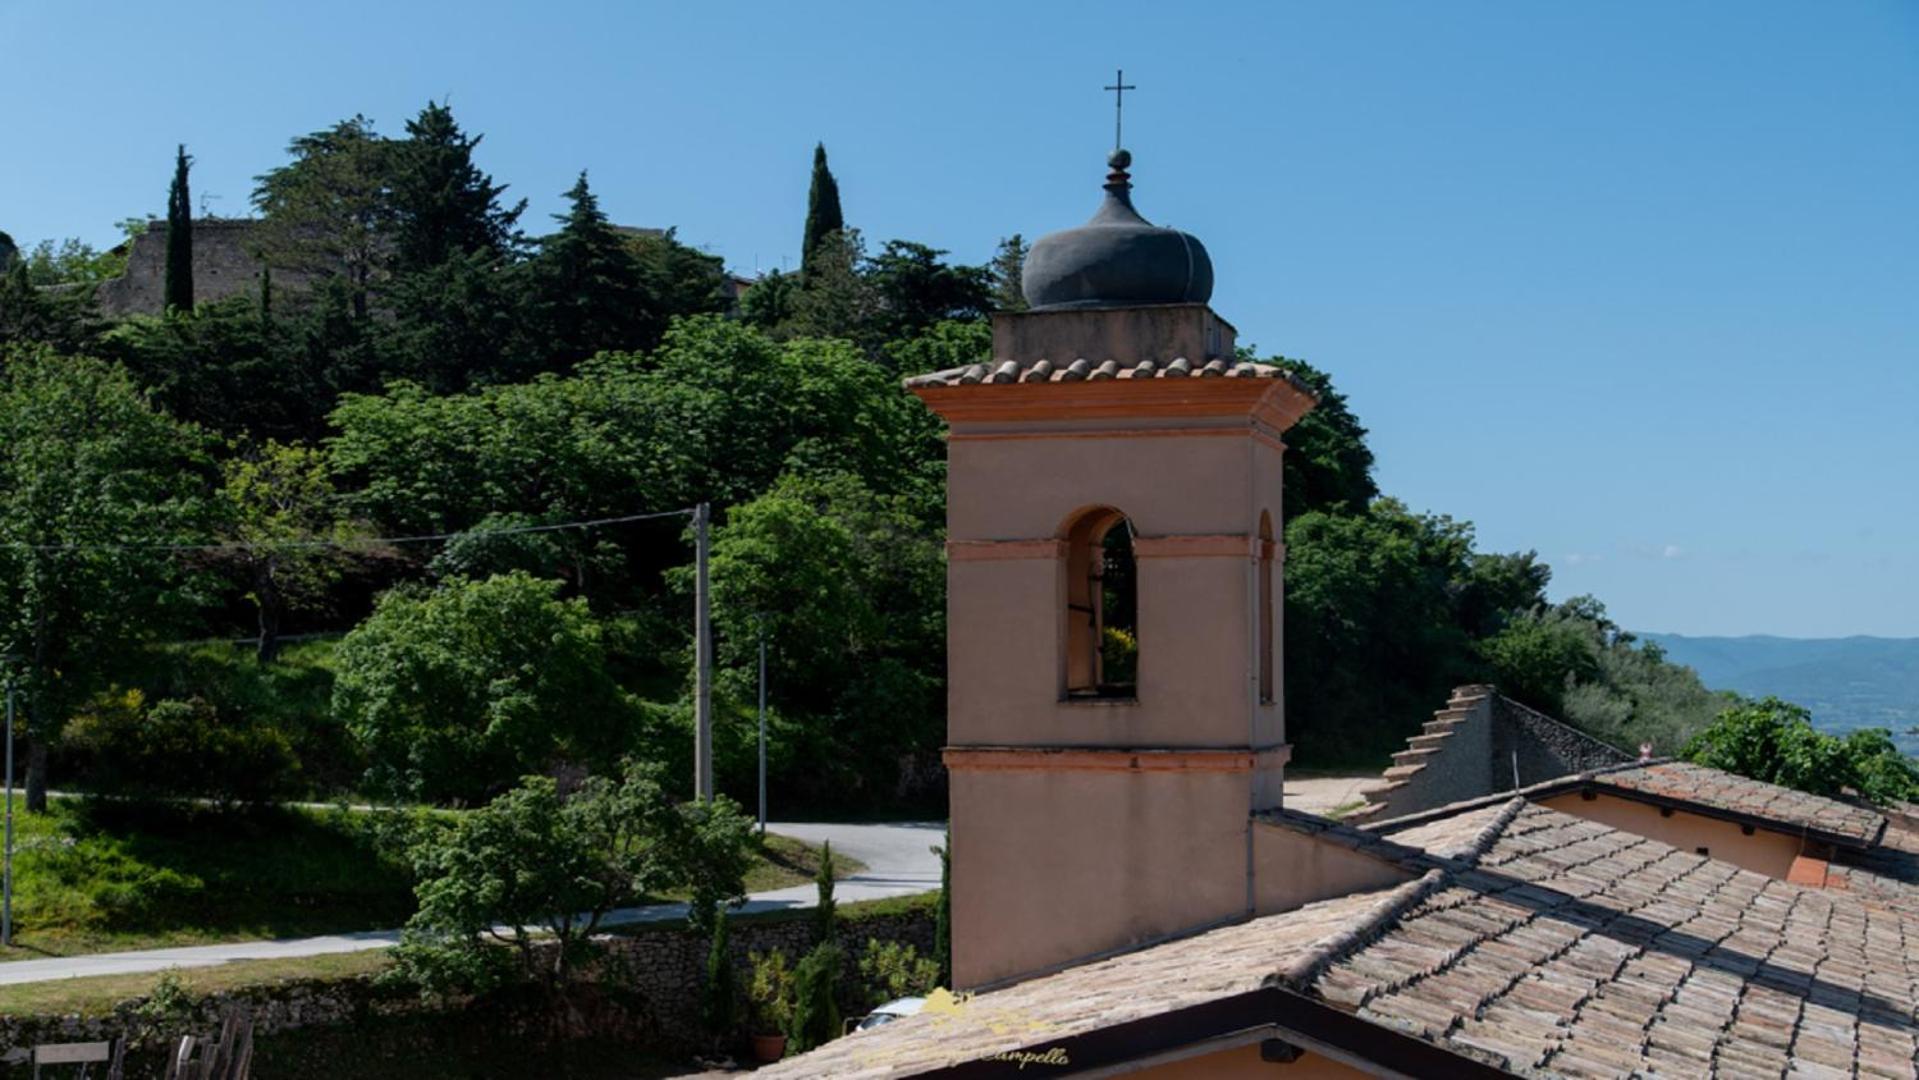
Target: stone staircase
(1423,751)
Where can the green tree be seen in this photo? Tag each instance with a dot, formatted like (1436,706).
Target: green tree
(768,304)
(227,367)
(281,515)
(70,262)
(816,1010)
(328,212)
(823,216)
(1539,655)
(915,289)
(1774,741)
(32,316)
(825,910)
(93,479)
(1008,271)
(1328,466)
(851,588)
(681,280)
(943,346)
(9,251)
(179,277)
(720,993)
(589,289)
(454,692)
(443,205)
(533,863)
(836,299)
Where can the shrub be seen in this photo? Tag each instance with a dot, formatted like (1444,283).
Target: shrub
(1774,741)
(825,912)
(770,994)
(177,747)
(895,969)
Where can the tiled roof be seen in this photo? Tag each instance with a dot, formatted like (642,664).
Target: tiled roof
(1575,949)
(1084,370)
(1832,819)
(1534,942)
(1144,983)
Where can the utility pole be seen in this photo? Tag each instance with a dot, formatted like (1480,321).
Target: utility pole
(761,620)
(702,659)
(6,874)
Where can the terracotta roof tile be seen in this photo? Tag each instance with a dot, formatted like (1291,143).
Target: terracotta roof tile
(1753,798)
(1082,369)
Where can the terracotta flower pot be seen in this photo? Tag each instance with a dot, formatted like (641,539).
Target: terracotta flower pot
(769,1048)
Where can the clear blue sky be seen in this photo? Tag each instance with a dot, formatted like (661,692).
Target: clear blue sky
(1633,284)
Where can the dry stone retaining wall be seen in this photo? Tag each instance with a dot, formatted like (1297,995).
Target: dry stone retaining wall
(658,974)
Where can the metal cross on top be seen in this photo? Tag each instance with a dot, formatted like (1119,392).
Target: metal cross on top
(1119,89)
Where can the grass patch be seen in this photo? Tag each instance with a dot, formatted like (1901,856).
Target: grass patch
(100,875)
(98,994)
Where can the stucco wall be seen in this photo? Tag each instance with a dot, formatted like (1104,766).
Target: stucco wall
(1292,870)
(1763,852)
(1053,866)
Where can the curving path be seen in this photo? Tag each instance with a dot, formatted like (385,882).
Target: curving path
(898,857)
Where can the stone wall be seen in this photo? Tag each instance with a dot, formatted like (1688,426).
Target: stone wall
(1480,744)
(224,264)
(1539,748)
(657,972)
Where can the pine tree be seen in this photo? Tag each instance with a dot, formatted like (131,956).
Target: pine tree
(443,205)
(823,217)
(826,913)
(1008,270)
(179,279)
(589,286)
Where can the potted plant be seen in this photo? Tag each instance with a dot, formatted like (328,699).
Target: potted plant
(770,1004)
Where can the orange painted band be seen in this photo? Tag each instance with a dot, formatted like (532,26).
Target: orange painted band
(984,550)
(1078,759)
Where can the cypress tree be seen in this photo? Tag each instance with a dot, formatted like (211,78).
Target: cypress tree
(1008,274)
(720,1007)
(823,217)
(816,1010)
(826,912)
(179,279)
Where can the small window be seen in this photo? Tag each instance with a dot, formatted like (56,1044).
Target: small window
(1102,607)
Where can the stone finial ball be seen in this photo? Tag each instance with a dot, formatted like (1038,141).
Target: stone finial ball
(1119,159)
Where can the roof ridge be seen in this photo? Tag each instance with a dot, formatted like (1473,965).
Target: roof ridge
(1302,971)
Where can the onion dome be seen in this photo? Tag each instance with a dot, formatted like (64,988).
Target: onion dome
(1118,259)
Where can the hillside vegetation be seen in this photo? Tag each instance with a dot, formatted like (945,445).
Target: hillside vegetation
(461,451)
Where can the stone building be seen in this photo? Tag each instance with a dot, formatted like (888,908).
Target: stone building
(1129,893)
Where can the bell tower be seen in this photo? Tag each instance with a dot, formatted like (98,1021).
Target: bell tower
(1114,590)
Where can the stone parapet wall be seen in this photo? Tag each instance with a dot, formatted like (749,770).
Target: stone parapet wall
(1540,748)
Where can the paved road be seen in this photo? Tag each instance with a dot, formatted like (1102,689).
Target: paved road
(899,862)
(1324,794)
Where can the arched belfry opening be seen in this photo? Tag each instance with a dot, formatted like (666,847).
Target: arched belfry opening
(1102,607)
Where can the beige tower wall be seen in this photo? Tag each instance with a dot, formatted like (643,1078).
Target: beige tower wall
(1083,825)
(1053,866)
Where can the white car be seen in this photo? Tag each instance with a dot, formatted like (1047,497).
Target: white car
(891,1011)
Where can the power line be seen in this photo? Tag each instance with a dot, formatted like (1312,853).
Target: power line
(346,542)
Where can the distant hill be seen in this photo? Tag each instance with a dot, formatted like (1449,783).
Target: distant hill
(1848,683)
